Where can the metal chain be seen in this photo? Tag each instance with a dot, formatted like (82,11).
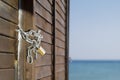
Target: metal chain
(34,39)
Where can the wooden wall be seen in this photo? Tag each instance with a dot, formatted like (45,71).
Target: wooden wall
(8,24)
(43,21)
(50,16)
(60,39)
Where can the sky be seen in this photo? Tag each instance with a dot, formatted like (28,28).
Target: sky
(95,29)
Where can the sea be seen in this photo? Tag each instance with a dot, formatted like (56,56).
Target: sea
(94,70)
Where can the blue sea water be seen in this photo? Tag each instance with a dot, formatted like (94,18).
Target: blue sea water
(94,70)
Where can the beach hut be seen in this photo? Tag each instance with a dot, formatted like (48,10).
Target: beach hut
(51,17)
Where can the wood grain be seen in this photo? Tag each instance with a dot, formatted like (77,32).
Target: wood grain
(59,74)
(46,78)
(44,13)
(43,21)
(43,24)
(47,37)
(8,12)
(64,3)
(60,19)
(7,28)
(6,60)
(7,44)
(58,9)
(61,5)
(7,74)
(51,1)
(59,27)
(59,67)
(43,60)
(46,5)
(60,59)
(60,43)
(43,71)
(47,47)
(60,51)
(60,36)
(13,3)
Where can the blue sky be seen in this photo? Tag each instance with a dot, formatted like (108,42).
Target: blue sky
(95,29)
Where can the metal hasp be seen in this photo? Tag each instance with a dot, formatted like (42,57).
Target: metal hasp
(34,39)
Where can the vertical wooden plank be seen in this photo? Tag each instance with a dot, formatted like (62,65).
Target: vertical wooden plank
(61,42)
(26,69)
(28,23)
(21,46)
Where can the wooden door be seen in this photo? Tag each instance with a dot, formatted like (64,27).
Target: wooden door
(49,16)
(8,25)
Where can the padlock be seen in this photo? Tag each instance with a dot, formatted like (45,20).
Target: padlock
(41,51)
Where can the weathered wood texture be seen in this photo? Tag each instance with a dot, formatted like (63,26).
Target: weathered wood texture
(43,21)
(8,25)
(60,46)
(37,14)
(7,74)
(28,71)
